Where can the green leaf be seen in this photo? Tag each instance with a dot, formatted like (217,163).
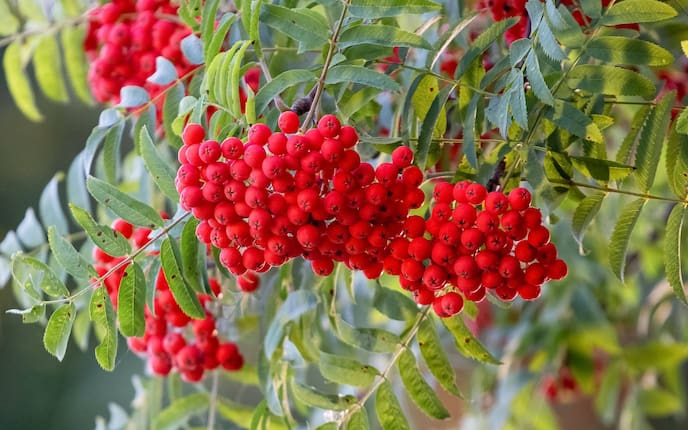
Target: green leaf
(389,412)
(418,390)
(75,61)
(77,193)
(347,371)
(33,314)
(303,25)
(125,207)
(584,214)
(50,207)
(133,96)
(659,402)
(617,81)
(672,251)
(422,99)
(111,152)
(47,65)
(178,413)
(192,48)
(431,123)
(624,50)
(571,119)
(602,170)
(650,141)
(311,397)
(104,237)
(624,155)
(536,80)
(435,357)
(655,355)
(103,316)
(281,82)
(677,163)
(548,42)
(358,420)
(193,257)
(517,98)
(59,328)
(18,80)
(369,339)
(361,75)
(297,303)
(131,300)
(469,131)
(384,8)
(30,231)
(9,23)
(466,343)
(170,110)
(183,294)
(218,36)
(68,257)
(394,304)
(163,175)
(637,11)
(382,35)
(482,42)
(40,272)
(621,235)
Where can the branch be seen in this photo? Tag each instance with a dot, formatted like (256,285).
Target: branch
(326,66)
(385,374)
(94,284)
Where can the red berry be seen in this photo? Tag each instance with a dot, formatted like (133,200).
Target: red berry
(557,270)
(193,134)
(329,126)
(451,303)
(519,199)
(248,282)
(258,134)
(288,122)
(475,193)
(402,157)
(229,357)
(496,202)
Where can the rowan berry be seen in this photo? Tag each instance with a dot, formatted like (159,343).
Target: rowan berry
(288,122)
(519,199)
(329,126)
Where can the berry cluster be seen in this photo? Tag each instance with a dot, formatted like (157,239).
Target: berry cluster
(474,241)
(171,339)
(283,194)
(123,40)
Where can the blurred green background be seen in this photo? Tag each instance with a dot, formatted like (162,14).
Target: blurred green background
(38,392)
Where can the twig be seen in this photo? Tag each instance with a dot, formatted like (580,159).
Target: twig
(93,284)
(385,374)
(326,66)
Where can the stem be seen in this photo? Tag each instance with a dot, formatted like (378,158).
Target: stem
(268,78)
(320,86)
(213,401)
(53,28)
(616,190)
(385,374)
(94,284)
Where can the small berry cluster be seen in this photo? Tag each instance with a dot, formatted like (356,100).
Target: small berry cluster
(123,40)
(474,241)
(282,194)
(171,339)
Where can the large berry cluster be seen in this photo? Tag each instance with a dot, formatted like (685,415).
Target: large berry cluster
(474,241)
(281,195)
(171,339)
(123,40)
